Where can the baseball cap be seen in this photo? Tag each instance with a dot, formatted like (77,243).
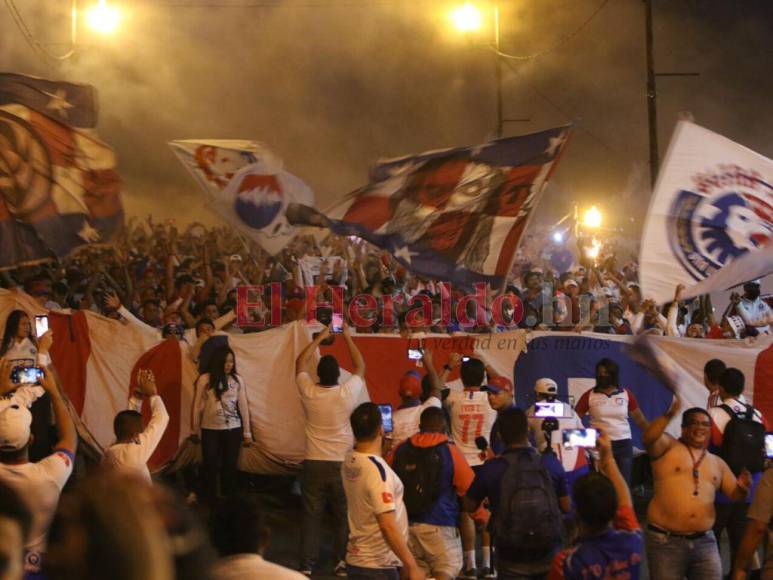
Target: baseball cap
(410,385)
(15,424)
(498,384)
(546,386)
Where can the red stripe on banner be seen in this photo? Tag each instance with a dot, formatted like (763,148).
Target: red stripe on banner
(70,353)
(371,211)
(763,383)
(165,360)
(387,361)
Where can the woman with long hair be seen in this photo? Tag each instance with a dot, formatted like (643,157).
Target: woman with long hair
(221,419)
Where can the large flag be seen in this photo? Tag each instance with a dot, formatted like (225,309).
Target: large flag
(456,214)
(246,184)
(710,220)
(58,181)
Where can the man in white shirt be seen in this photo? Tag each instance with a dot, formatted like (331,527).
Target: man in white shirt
(471,417)
(378,521)
(754,310)
(327,406)
(39,484)
(134,444)
(241,536)
(406,419)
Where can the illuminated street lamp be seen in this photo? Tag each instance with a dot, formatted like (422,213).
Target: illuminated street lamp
(592,218)
(103,18)
(466,18)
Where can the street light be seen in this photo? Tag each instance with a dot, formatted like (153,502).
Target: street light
(466,18)
(592,218)
(103,18)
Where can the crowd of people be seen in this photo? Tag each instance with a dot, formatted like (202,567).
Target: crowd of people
(456,483)
(186,282)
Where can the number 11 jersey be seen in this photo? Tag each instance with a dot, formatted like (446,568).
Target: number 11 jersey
(471,417)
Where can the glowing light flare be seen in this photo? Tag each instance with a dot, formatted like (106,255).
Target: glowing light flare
(558,237)
(592,218)
(466,18)
(103,19)
(594,249)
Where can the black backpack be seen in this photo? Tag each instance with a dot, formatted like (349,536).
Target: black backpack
(420,469)
(743,442)
(527,524)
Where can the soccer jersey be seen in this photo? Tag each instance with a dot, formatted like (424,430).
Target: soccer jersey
(372,488)
(609,412)
(405,421)
(39,485)
(471,416)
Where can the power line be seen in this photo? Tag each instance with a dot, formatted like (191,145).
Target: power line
(36,46)
(559,44)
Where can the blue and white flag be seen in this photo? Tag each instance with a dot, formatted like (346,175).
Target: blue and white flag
(246,184)
(710,220)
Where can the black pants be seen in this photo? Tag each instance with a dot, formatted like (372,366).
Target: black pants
(321,484)
(220,456)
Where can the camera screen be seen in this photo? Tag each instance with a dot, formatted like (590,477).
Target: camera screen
(549,409)
(386,417)
(769,445)
(24,375)
(414,354)
(579,438)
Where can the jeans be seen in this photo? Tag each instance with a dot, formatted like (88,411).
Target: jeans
(672,558)
(623,452)
(321,483)
(220,456)
(358,573)
(731,516)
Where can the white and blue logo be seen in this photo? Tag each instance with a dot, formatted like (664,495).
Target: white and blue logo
(729,214)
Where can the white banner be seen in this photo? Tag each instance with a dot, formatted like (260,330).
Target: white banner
(712,207)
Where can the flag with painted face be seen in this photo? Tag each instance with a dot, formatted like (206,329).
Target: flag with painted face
(58,182)
(457,214)
(247,185)
(710,220)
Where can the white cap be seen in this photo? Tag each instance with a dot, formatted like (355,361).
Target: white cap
(570,282)
(15,424)
(546,387)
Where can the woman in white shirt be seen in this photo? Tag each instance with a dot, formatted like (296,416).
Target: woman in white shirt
(221,418)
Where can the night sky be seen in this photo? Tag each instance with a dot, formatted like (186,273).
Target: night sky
(333,85)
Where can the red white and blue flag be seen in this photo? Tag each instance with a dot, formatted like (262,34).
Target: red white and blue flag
(457,214)
(58,181)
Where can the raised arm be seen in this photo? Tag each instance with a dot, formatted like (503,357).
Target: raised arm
(223,321)
(655,439)
(434,380)
(302,362)
(354,352)
(113,301)
(612,471)
(68,435)
(159,418)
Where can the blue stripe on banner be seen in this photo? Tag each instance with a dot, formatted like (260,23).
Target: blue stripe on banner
(574,357)
(380,467)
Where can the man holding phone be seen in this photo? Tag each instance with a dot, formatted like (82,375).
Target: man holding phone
(327,406)
(406,418)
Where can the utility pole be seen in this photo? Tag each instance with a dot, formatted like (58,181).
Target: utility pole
(498,73)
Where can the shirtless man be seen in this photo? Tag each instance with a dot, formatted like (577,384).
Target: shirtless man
(680,541)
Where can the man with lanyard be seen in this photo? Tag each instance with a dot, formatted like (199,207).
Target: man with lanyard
(574,460)
(680,540)
(730,515)
(40,483)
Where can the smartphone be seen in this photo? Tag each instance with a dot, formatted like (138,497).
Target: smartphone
(337,324)
(386,417)
(26,375)
(465,358)
(41,325)
(549,409)
(414,354)
(769,445)
(579,438)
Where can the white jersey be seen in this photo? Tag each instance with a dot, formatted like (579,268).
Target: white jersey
(25,354)
(133,456)
(405,422)
(328,431)
(39,485)
(471,417)
(372,488)
(240,566)
(571,459)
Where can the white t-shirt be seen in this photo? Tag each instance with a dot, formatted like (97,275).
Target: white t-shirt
(720,417)
(372,488)
(134,456)
(230,411)
(246,566)
(405,422)
(471,417)
(39,485)
(25,354)
(327,409)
